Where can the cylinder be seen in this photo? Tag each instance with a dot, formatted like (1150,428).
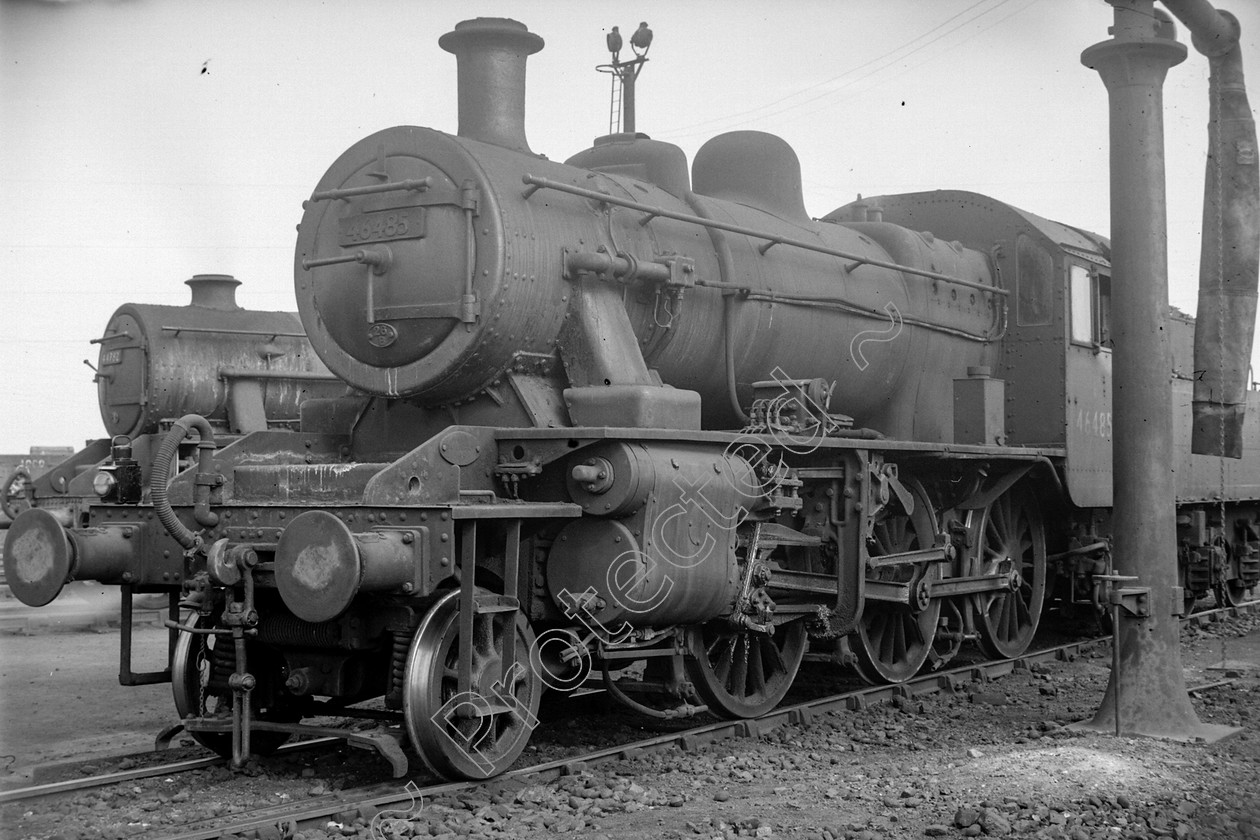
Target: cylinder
(491,55)
(658,545)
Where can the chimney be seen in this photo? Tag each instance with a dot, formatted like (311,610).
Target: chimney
(214,291)
(491,55)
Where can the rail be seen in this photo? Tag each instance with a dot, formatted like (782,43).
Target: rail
(34,792)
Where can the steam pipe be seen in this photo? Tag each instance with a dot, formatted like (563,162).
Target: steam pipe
(621,267)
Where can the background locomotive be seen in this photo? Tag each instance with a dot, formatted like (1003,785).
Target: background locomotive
(244,370)
(630,417)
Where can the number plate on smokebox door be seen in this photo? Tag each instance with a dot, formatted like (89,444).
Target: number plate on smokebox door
(382,226)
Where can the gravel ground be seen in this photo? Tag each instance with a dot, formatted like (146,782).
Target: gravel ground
(993,760)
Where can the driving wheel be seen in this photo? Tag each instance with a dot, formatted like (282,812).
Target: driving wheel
(894,640)
(1009,538)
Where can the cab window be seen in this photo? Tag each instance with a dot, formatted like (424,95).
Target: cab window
(1035,279)
(1089,294)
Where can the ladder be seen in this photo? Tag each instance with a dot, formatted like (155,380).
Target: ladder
(614,110)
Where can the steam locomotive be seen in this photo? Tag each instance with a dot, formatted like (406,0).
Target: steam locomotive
(611,420)
(245,371)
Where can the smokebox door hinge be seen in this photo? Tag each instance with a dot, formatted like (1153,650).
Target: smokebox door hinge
(469,197)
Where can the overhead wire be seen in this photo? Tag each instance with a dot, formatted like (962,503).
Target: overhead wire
(970,37)
(808,88)
(685,132)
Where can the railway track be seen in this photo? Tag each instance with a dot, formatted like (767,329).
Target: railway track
(368,801)
(391,796)
(34,793)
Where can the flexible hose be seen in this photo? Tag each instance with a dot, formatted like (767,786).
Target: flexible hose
(161,477)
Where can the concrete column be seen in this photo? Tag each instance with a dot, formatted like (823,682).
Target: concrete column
(1149,680)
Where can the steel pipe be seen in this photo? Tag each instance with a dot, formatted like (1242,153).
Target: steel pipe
(1212,32)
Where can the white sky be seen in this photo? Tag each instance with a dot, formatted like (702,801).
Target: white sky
(125,169)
